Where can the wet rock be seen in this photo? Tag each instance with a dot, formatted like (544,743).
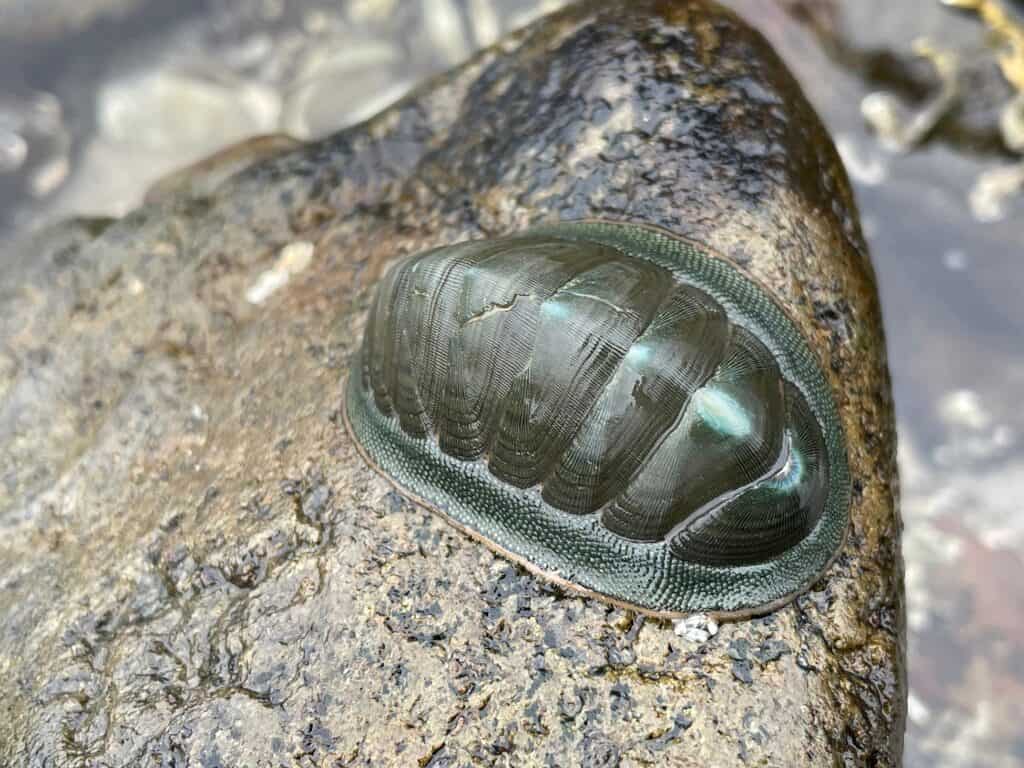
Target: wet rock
(196,566)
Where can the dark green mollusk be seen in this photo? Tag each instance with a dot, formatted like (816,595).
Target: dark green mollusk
(612,407)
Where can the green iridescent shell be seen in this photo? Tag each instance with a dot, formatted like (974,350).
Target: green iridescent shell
(612,407)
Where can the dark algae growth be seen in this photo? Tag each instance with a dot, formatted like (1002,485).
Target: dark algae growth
(612,407)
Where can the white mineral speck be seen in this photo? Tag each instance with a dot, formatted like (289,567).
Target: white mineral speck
(266,284)
(698,628)
(295,257)
(135,286)
(292,259)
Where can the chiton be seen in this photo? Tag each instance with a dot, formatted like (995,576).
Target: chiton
(615,408)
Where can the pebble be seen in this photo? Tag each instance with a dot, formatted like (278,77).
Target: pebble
(164,109)
(443,27)
(13,150)
(342,85)
(992,189)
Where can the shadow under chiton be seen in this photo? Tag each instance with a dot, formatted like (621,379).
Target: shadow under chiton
(614,408)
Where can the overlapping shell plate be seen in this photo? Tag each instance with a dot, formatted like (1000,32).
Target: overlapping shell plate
(612,407)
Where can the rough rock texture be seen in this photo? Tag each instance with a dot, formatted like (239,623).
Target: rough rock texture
(196,568)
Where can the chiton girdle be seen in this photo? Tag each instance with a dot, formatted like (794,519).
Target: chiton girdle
(493,373)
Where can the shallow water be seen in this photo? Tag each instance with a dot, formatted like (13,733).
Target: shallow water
(950,266)
(85,126)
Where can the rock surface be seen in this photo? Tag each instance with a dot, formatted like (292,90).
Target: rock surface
(197,569)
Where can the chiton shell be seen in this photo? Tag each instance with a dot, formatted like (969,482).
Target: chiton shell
(613,407)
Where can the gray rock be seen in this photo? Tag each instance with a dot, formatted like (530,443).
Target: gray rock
(197,569)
